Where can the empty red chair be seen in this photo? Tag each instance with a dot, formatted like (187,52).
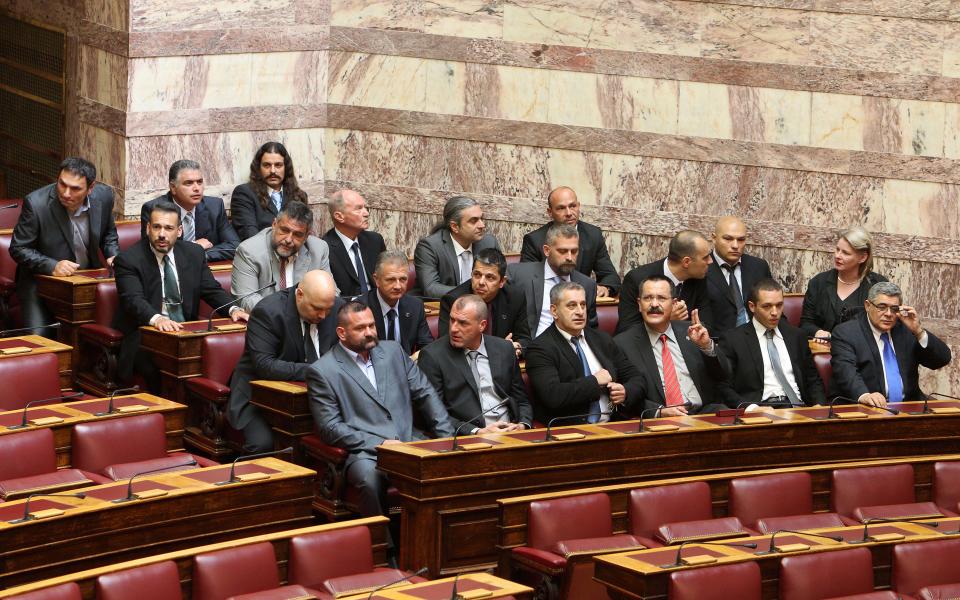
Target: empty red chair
(34,468)
(793,308)
(433,323)
(921,565)
(800,522)
(608,316)
(128,233)
(223,277)
(740,581)
(159,581)
(118,448)
(826,574)
(824,369)
(9,303)
(209,393)
(64,591)
(235,571)
(668,514)
(884,595)
(777,495)
(946,486)
(337,562)
(99,343)
(878,493)
(28,377)
(948,591)
(411,277)
(562,536)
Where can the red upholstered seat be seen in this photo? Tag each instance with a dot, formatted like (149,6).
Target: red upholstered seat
(871,486)
(10,216)
(35,468)
(826,574)
(922,564)
(433,323)
(682,531)
(128,233)
(824,368)
(223,277)
(911,510)
(235,571)
(52,482)
(608,316)
(949,591)
(64,591)
(652,507)
(99,343)
(740,581)
(777,495)
(28,377)
(159,581)
(411,277)
(885,595)
(946,485)
(9,304)
(287,592)
(208,394)
(793,308)
(800,522)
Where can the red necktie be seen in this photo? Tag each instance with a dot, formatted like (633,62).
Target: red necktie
(671,385)
(283,274)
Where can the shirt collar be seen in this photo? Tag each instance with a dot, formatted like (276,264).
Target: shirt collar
(668,273)
(84,207)
(876,332)
(567,336)
(347,242)
(761,329)
(655,336)
(384,307)
(548,273)
(481,349)
(457,248)
(720,262)
(159,255)
(355,356)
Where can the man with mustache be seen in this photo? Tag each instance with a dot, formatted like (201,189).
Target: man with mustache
(678,359)
(560,250)
(272,184)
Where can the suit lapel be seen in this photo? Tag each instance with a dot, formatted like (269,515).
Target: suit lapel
(202,224)
(566,348)
(584,248)
(380,374)
(353,371)
(715,273)
(337,248)
(594,343)
(60,215)
(871,343)
(448,253)
(406,320)
(648,359)
(498,315)
(535,304)
(753,345)
(463,365)
(300,266)
(95,223)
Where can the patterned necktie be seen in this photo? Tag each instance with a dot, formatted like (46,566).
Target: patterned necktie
(595,405)
(283,273)
(892,370)
(189,229)
(358,263)
(391,324)
(777,367)
(671,383)
(277,198)
(171,292)
(735,292)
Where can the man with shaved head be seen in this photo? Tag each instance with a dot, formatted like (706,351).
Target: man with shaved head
(353,249)
(732,275)
(564,207)
(287,332)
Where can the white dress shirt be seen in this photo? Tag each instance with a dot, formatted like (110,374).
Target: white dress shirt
(384,309)
(366,366)
(772,387)
(594,365)
(687,388)
(163,305)
(550,279)
(883,365)
(348,244)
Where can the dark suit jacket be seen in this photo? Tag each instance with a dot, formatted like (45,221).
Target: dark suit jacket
(141,296)
(706,371)
(436,262)
(210,221)
(448,370)
(508,312)
(274,349)
(592,258)
(694,293)
(742,360)
(528,279)
(341,261)
(722,307)
(559,386)
(414,331)
(247,215)
(823,309)
(858,369)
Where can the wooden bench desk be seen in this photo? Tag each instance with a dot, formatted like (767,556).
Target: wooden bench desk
(38,344)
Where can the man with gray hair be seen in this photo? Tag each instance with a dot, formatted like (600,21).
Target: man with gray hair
(444,259)
(875,357)
(203,218)
(399,316)
(353,249)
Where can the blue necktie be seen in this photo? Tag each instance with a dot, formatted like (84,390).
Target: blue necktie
(277,198)
(595,405)
(892,370)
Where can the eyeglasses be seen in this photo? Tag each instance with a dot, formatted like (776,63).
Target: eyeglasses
(890,308)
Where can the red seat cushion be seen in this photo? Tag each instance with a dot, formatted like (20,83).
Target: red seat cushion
(169,463)
(287,592)
(318,557)
(740,581)
(34,450)
(885,595)
(801,522)
(871,486)
(946,485)
(682,531)
(652,507)
(921,564)
(912,510)
(64,591)
(159,581)
(950,591)
(314,446)
(49,483)
(573,517)
(29,377)
(541,559)
(235,571)
(777,495)
(613,543)
(99,444)
(826,574)
(339,586)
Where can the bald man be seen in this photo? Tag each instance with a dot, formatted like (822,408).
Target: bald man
(563,207)
(353,249)
(731,275)
(287,332)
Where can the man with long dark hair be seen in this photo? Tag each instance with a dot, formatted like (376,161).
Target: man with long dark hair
(255,204)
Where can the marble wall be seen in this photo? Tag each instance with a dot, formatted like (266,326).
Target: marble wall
(802,116)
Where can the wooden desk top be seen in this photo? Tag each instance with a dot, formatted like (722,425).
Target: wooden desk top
(81,277)
(440,589)
(193,329)
(37,344)
(82,411)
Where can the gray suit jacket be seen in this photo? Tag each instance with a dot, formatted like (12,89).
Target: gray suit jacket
(255,265)
(350,414)
(436,262)
(528,277)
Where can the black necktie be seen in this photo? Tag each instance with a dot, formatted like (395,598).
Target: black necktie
(735,292)
(309,350)
(361,275)
(391,324)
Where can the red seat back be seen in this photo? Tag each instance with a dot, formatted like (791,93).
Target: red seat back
(411,277)
(219,355)
(128,233)
(826,574)
(64,591)
(551,521)
(920,564)
(223,278)
(27,453)
(10,216)
(433,322)
(946,484)
(871,486)
(159,581)
(778,495)
(652,507)
(824,369)
(100,444)
(106,302)
(512,258)
(799,522)
(316,557)
(793,308)
(8,267)
(608,316)
(234,571)
(740,581)
(28,377)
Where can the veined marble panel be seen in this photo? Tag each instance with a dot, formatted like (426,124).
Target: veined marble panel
(153,15)
(664,27)
(103,77)
(928,9)
(639,103)
(482,18)
(107,151)
(112,13)
(951,50)
(372,80)
(227,41)
(406,15)
(587,24)
(755,34)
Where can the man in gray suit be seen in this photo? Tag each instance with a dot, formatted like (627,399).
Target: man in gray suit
(536,279)
(363,394)
(281,253)
(444,259)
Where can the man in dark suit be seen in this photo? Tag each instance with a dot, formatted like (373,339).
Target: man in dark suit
(685,266)
(678,359)
(62,227)
(255,204)
(875,356)
(400,317)
(576,370)
(160,283)
(766,359)
(535,280)
(203,219)
(731,275)
(353,249)
(363,395)
(444,259)
(563,207)
(287,332)
(474,373)
(506,304)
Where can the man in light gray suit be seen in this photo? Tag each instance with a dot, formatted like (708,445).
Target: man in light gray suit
(281,253)
(536,279)
(363,394)
(444,259)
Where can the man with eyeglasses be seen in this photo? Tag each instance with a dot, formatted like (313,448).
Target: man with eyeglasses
(875,356)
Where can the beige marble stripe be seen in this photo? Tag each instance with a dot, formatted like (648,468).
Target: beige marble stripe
(938,10)
(209,120)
